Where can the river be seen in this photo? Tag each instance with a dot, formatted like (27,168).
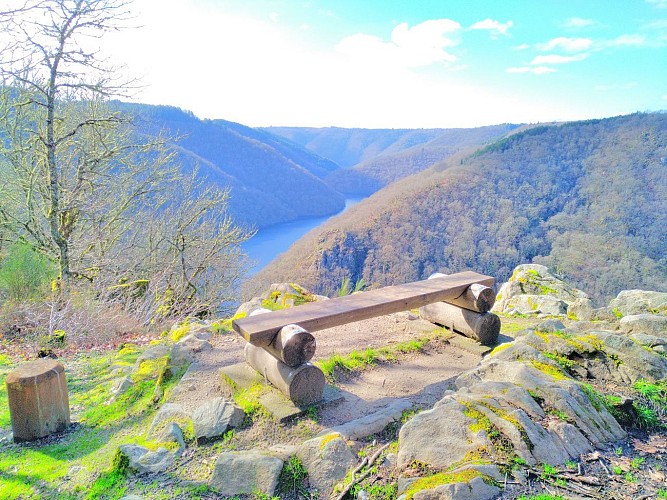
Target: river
(271,241)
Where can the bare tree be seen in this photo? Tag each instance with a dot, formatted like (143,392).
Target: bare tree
(80,185)
(47,67)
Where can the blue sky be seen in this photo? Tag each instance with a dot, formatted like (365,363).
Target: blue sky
(391,64)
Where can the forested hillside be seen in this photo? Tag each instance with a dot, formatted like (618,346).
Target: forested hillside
(266,174)
(350,146)
(586,198)
(375,173)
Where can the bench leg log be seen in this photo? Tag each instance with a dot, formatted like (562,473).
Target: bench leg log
(482,327)
(303,384)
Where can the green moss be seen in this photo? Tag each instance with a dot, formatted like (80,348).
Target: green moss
(500,348)
(550,370)
(431,482)
(332,436)
(225,325)
(565,363)
(180,332)
(617,312)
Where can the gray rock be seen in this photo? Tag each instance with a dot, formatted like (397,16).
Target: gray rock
(242,473)
(327,460)
(476,489)
(650,324)
(649,340)
(550,326)
(603,314)
(631,302)
(120,386)
(580,309)
(171,434)
(143,460)
(573,441)
(132,497)
(152,353)
(168,413)
(248,307)
(426,438)
(213,418)
(183,352)
(373,423)
(533,290)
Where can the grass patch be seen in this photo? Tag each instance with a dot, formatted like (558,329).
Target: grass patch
(360,360)
(33,470)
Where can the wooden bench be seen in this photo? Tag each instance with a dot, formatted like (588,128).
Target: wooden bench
(260,330)
(280,343)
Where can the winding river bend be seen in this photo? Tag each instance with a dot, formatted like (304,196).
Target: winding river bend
(268,243)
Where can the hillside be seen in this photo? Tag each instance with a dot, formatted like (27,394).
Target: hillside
(375,173)
(350,146)
(266,174)
(585,198)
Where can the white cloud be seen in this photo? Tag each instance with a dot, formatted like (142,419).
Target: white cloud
(557,59)
(578,22)
(661,4)
(566,44)
(274,17)
(496,28)
(664,97)
(523,46)
(422,45)
(627,41)
(536,70)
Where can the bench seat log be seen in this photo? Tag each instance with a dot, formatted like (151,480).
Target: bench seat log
(260,330)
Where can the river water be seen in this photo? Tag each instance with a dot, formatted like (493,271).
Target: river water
(271,241)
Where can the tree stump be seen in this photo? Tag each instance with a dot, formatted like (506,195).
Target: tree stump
(38,401)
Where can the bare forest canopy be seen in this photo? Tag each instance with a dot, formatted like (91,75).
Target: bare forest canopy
(588,199)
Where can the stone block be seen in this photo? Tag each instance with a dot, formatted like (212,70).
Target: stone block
(38,400)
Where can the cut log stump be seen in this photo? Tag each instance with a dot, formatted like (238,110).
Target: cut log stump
(482,327)
(303,384)
(38,401)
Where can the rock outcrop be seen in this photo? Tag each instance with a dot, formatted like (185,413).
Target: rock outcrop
(533,290)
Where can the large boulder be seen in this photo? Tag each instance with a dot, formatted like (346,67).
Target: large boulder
(650,324)
(212,419)
(630,302)
(142,460)
(327,459)
(532,289)
(168,413)
(245,473)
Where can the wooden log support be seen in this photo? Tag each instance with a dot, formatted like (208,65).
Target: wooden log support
(304,384)
(482,327)
(260,330)
(38,401)
(292,345)
(478,298)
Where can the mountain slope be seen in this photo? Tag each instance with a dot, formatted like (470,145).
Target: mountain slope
(375,173)
(586,198)
(271,180)
(350,146)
